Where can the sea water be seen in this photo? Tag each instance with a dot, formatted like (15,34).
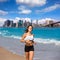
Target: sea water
(41,35)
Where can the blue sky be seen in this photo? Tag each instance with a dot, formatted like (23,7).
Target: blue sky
(34,9)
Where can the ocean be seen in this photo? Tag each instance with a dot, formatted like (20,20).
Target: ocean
(41,35)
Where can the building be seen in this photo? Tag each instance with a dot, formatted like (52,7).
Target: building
(6,23)
(14,24)
(49,21)
(25,23)
(20,23)
(11,24)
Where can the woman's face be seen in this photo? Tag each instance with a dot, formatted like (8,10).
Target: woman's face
(30,28)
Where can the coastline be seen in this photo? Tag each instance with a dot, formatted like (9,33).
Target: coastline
(6,55)
(48,51)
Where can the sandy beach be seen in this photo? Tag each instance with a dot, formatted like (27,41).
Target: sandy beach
(13,49)
(6,55)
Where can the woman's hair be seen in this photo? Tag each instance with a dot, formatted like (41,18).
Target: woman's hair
(27,28)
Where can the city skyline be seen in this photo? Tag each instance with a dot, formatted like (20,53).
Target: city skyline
(29,9)
(22,23)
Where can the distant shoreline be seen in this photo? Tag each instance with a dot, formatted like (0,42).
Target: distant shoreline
(33,27)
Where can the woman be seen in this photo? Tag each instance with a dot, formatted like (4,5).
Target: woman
(28,39)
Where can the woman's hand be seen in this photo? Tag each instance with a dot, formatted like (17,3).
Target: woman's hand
(27,41)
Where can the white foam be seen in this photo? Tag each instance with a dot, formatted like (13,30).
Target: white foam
(4,32)
(0,33)
(39,40)
(13,36)
(47,41)
(17,37)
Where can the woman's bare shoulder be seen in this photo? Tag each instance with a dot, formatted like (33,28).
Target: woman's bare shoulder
(33,34)
(24,34)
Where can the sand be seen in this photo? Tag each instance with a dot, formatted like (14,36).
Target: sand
(6,55)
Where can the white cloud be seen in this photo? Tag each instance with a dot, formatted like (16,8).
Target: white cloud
(34,21)
(21,7)
(24,19)
(3,12)
(32,2)
(2,20)
(28,19)
(42,21)
(24,10)
(3,0)
(16,19)
(50,8)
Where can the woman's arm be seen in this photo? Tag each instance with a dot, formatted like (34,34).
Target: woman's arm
(22,39)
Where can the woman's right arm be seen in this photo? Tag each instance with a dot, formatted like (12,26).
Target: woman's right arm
(22,39)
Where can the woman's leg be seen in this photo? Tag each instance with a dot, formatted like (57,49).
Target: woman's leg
(31,54)
(27,55)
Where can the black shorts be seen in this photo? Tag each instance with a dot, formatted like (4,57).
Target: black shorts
(29,48)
